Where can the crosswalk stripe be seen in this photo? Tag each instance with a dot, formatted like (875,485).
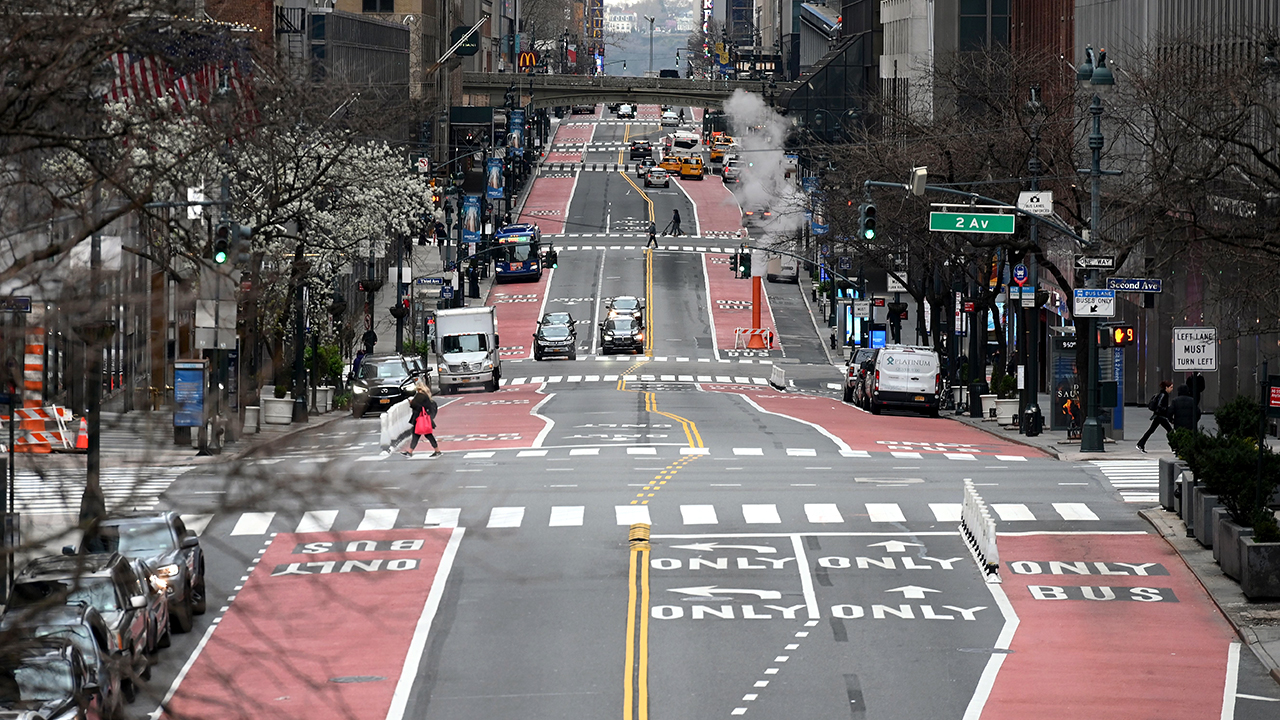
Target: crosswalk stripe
(585,451)
(532,453)
(1013,512)
(906,455)
(443,517)
(506,517)
(959,456)
(316,521)
(196,523)
(855,453)
(698,514)
(1074,511)
(946,512)
(642,451)
(823,513)
(748,451)
(802,452)
(253,523)
(761,514)
(695,451)
(566,515)
(632,514)
(379,519)
(885,512)
(478,455)
(1011,458)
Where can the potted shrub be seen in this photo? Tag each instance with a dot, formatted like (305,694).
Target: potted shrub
(278,410)
(1006,389)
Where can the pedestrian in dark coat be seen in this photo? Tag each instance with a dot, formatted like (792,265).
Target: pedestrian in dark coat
(675,223)
(422,416)
(1159,407)
(1184,410)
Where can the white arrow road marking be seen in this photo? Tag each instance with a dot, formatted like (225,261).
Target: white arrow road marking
(913,592)
(711,546)
(895,546)
(713,590)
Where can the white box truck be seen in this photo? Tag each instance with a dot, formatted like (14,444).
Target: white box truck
(466,345)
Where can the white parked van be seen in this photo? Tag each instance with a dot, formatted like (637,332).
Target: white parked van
(904,376)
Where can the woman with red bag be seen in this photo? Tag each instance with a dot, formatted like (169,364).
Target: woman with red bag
(422,414)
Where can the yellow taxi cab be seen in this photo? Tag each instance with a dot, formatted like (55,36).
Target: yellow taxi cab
(691,167)
(718,150)
(671,163)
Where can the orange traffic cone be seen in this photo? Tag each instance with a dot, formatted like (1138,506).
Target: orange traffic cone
(82,438)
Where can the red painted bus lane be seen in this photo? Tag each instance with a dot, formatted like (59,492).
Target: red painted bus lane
(884,433)
(731,302)
(519,304)
(548,203)
(503,420)
(1110,626)
(324,628)
(718,212)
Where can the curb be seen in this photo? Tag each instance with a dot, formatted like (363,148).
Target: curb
(268,444)
(1011,438)
(1248,638)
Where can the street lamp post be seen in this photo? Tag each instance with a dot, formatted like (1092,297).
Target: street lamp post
(1095,70)
(650,18)
(1032,419)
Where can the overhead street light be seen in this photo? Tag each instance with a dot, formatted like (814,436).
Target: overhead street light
(650,18)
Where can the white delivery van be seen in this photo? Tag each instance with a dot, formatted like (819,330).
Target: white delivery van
(467,347)
(904,376)
(782,268)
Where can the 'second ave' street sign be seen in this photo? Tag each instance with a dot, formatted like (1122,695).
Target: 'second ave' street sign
(1094,302)
(1096,263)
(1036,202)
(1195,349)
(971,222)
(1141,285)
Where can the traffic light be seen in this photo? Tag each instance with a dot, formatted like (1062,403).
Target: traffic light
(743,263)
(867,221)
(553,258)
(240,244)
(895,312)
(221,243)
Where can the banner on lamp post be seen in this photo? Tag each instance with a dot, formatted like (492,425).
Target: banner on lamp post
(471,219)
(515,133)
(493,179)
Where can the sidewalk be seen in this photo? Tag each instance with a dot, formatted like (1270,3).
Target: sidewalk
(1257,623)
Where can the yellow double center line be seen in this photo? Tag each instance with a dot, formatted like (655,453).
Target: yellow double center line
(635,691)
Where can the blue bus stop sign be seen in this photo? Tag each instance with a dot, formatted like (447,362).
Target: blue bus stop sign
(1019,274)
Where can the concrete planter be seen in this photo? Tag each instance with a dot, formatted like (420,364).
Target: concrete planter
(252,415)
(277,411)
(988,404)
(326,398)
(1204,518)
(1259,569)
(1005,410)
(1169,470)
(1226,544)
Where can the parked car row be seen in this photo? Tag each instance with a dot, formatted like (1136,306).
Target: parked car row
(894,377)
(80,631)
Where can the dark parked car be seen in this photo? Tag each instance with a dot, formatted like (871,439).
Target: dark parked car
(641,149)
(557,340)
(621,333)
(108,583)
(381,381)
(855,374)
(51,678)
(87,631)
(171,552)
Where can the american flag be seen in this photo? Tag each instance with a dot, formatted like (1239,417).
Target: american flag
(189,72)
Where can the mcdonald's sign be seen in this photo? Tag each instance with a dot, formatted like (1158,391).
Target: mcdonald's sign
(527,61)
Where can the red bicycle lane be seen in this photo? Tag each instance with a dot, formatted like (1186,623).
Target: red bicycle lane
(326,625)
(716,209)
(1108,627)
(859,430)
(730,302)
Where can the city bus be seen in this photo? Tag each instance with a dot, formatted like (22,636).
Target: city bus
(516,249)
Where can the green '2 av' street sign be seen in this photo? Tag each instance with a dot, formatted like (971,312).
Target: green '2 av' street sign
(971,222)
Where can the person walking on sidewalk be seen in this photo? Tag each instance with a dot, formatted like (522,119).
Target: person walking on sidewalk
(653,236)
(675,224)
(1184,410)
(1159,407)
(422,415)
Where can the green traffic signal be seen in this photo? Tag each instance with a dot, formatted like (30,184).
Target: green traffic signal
(221,243)
(868,221)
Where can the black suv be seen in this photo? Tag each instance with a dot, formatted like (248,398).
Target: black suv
(170,551)
(108,583)
(49,677)
(381,381)
(641,149)
(621,332)
(87,631)
(559,340)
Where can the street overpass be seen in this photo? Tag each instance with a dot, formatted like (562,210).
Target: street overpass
(553,90)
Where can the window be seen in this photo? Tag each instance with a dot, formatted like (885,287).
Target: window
(379,6)
(983,23)
(465,343)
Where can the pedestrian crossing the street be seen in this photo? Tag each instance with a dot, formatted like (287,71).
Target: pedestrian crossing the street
(58,491)
(668,518)
(1135,480)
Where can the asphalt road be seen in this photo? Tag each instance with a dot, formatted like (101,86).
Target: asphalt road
(804,559)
